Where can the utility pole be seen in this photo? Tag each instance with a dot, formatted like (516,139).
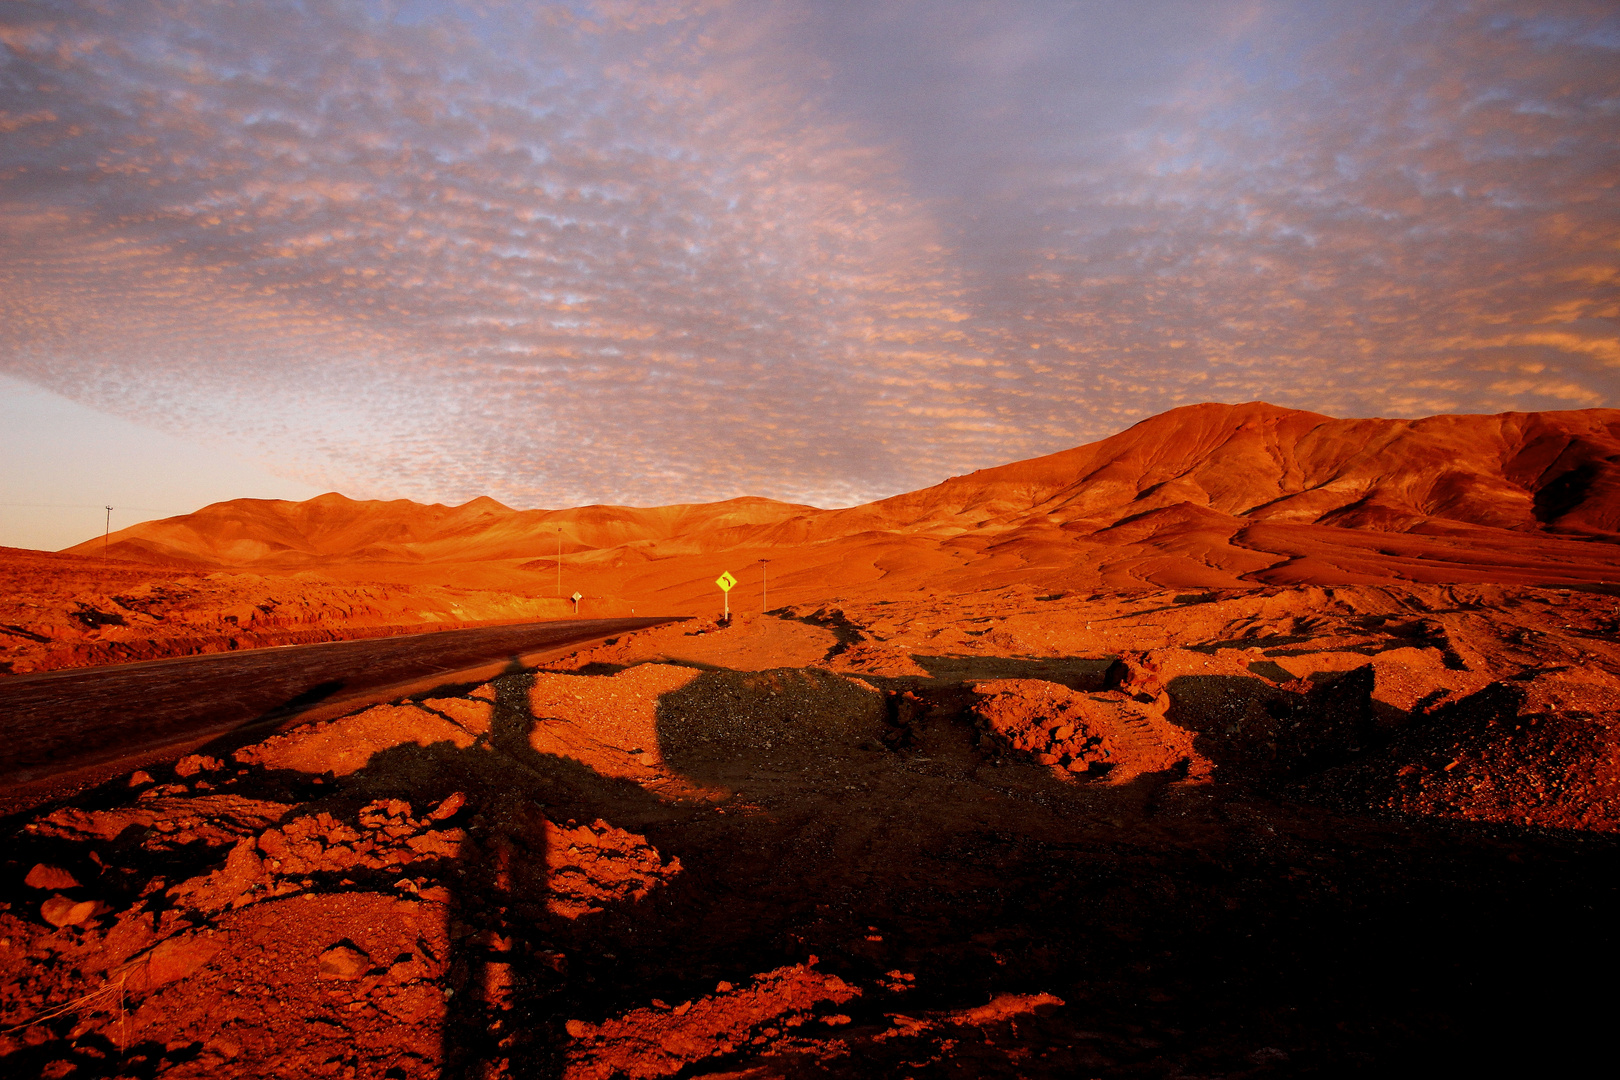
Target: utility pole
(764,586)
(106,533)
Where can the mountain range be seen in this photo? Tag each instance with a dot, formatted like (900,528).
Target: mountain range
(1205,496)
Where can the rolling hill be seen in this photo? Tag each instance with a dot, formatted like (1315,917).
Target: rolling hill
(1204,496)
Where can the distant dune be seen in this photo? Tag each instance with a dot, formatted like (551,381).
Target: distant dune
(1204,496)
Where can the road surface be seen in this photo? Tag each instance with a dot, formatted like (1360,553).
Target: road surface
(89,723)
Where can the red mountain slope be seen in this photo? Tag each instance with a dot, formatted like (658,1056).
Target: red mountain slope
(1206,495)
(1515,470)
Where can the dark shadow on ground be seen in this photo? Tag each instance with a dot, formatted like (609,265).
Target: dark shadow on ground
(1202,928)
(1257,731)
(508,968)
(1192,927)
(116,790)
(1075,672)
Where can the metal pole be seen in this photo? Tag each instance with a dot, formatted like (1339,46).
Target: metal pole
(559,564)
(764,586)
(106,533)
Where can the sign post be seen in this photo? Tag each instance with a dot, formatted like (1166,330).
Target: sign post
(576,598)
(726,581)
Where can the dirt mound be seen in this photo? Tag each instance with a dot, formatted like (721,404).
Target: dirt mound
(166,817)
(721,724)
(1494,756)
(747,643)
(345,746)
(661,1041)
(1106,734)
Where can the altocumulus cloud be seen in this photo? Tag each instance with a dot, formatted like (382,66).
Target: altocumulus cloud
(825,252)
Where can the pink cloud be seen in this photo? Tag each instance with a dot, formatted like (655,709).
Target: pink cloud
(655,253)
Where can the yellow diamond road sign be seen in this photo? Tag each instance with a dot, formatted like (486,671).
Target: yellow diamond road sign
(725,581)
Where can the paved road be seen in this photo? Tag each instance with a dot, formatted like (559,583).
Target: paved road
(60,722)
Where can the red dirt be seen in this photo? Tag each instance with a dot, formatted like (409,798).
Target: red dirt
(66,730)
(61,611)
(1017,822)
(1264,864)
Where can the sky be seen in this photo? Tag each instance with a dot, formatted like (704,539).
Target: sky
(74,473)
(825,252)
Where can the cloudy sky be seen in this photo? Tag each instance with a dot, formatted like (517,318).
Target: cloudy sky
(690,249)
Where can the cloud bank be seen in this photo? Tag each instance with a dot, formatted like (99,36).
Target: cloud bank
(677,251)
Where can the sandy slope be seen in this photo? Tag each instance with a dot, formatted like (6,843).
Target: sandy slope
(1201,497)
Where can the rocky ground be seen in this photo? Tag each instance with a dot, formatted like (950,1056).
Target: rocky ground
(62,611)
(1286,831)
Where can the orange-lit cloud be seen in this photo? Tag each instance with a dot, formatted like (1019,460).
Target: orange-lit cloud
(656,252)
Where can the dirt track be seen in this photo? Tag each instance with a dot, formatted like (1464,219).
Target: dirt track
(65,720)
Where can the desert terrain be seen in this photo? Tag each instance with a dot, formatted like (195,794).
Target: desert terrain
(1248,742)
(65,611)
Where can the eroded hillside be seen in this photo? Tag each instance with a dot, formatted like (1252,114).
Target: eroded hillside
(1207,496)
